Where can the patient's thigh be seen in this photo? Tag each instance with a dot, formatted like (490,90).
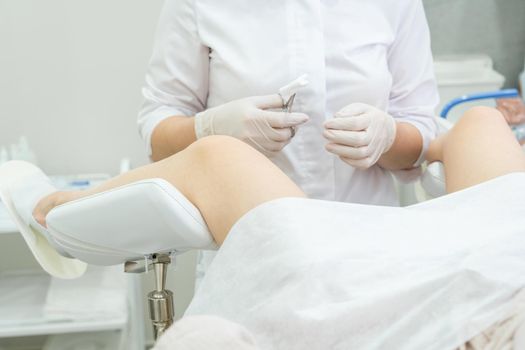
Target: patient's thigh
(225,178)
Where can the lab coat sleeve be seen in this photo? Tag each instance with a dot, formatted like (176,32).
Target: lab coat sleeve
(177,76)
(414,95)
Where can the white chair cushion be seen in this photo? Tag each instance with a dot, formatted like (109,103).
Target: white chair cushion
(129,222)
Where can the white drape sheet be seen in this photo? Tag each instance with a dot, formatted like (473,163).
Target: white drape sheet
(307,274)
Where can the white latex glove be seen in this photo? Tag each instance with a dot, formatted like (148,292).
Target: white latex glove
(359,134)
(248,120)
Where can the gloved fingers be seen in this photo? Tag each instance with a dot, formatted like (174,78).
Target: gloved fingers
(348,152)
(348,138)
(281,134)
(269,148)
(283,119)
(364,163)
(266,147)
(268,139)
(351,123)
(353,110)
(269,133)
(275,147)
(267,101)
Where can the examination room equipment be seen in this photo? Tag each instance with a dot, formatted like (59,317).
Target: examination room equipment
(86,83)
(152,210)
(96,311)
(509,93)
(288,92)
(158,222)
(161,223)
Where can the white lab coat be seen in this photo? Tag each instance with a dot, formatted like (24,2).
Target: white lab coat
(209,52)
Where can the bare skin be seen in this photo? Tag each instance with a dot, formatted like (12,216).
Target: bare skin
(402,155)
(225,178)
(479,147)
(405,150)
(164,145)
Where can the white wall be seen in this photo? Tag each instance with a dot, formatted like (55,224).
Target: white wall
(494,27)
(71,72)
(70,79)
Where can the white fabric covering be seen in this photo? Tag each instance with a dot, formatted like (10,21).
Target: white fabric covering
(101,293)
(205,333)
(307,274)
(504,335)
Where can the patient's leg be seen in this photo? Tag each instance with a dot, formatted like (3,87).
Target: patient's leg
(222,176)
(478,148)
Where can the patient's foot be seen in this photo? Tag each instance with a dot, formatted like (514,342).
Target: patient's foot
(22,186)
(46,204)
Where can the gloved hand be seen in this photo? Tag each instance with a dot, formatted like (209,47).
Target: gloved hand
(359,134)
(248,120)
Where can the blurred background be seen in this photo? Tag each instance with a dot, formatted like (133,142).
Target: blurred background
(71,73)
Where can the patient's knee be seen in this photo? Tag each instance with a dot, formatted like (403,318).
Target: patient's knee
(482,115)
(217,143)
(221,148)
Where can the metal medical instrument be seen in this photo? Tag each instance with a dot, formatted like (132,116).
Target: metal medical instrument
(288,92)
(287,108)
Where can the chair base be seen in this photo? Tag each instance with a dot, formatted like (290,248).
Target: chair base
(160,300)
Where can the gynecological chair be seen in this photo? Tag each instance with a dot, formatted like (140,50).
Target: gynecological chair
(144,225)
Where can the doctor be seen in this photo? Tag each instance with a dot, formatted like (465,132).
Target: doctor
(217,65)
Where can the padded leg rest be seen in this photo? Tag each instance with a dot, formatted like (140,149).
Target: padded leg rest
(128,222)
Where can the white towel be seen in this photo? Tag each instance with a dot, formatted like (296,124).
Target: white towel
(99,294)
